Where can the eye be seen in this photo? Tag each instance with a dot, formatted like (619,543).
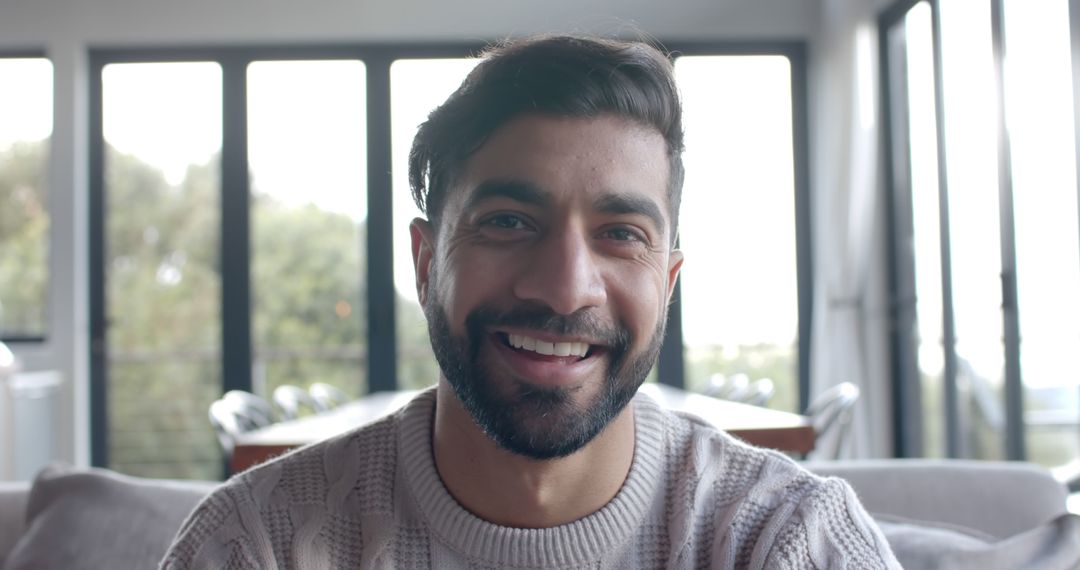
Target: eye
(622,233)
(505,222)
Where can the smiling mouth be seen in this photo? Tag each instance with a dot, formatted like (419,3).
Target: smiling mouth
(525,343)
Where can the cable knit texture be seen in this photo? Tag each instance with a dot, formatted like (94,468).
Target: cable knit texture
(372,498)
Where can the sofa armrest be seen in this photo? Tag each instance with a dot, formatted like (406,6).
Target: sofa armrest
(13,498)
(995,497)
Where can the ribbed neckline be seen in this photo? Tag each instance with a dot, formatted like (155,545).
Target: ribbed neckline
(581,542)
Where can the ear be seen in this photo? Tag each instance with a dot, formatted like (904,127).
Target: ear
(675,261)
(423,250)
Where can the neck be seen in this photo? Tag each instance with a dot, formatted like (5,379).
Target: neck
(511,490)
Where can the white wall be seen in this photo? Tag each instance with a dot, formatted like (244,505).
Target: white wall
(67,28)
(99,22)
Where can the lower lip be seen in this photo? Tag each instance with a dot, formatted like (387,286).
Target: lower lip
(545,370)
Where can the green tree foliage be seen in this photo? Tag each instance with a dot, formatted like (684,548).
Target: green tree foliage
(163,298)
(24,239)
(309,296)
(164,295)
(416,365)
(161,250)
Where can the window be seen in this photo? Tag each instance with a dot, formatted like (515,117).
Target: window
(997,267)
(739,297)
(26,113)
(163,281)
(307,154)
(1039,118)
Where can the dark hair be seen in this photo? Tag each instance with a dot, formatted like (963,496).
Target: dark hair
(559,75)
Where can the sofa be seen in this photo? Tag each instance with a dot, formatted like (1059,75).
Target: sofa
(935,514)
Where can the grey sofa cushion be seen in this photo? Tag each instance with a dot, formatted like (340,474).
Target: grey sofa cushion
(930,546)
(100,519)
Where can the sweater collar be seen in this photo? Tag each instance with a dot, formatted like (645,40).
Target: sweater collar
(580,542)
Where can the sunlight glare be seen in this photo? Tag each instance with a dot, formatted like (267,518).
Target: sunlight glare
(26,112)
(166,114)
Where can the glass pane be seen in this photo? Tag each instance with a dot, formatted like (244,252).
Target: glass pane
(417,86)
(162,126)
(26,116)
(739,286)
(926,222)
(307,149)
(971,150)
(1038,95)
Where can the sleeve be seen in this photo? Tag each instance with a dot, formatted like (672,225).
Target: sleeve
(829,528)
(211,537)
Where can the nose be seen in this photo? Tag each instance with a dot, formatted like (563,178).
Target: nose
(562,273)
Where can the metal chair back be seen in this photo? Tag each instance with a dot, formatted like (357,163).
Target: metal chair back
(760,392)
(257,410)
(290,400)
(327,396)
(831,413)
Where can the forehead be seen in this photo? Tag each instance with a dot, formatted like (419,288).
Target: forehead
(571,159)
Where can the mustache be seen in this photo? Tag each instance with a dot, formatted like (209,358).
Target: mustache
(585,323)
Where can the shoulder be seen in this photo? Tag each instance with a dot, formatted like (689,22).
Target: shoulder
(214,533)
(698,453)
(744,504)
(827,524)
(254,515)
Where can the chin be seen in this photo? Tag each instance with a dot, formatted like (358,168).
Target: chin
(537,422)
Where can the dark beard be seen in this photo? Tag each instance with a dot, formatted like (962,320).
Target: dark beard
(537,422)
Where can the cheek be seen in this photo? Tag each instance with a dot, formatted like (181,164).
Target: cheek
(463,282)
(641,299)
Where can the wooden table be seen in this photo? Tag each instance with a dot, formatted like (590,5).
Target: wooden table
(763,427)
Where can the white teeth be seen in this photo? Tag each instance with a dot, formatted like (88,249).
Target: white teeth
(548,348)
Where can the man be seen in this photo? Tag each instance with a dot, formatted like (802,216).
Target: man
(551,181)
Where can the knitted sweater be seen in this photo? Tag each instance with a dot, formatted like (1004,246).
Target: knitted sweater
(372,498)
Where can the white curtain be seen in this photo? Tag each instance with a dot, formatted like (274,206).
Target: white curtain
(850,334)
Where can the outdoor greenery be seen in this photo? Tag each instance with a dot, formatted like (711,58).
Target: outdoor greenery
(24,230)
(163,308)
(163,299)
(777,363)
(163,290)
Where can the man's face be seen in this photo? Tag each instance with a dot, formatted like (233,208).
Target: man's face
(546,283)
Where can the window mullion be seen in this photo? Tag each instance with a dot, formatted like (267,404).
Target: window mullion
(1074,41)
(670,366)
(1014,411)
(953,447)
(382,334)
(235,252)
(804,247)
(906,385)
(99,425)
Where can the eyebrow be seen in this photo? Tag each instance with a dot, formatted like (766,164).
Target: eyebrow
(517,190)
(629,204)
